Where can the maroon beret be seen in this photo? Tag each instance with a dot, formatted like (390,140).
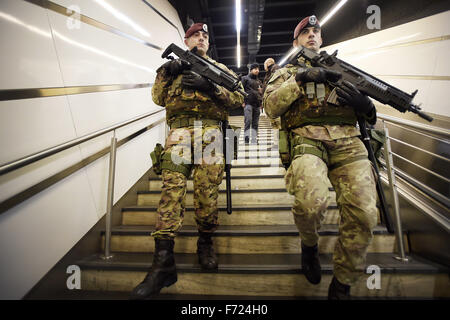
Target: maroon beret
(194,28)
(307,22)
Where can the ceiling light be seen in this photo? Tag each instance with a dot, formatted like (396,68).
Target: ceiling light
(332,12)
(119,15)
(238,32)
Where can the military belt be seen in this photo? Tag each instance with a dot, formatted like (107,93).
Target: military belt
(189,122)
(313,147)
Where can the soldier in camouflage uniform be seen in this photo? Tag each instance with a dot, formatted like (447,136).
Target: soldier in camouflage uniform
(195,108)
(324,144)
(270,66)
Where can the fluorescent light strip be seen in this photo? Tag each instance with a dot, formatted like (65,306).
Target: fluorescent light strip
(238,32)
(322,22)
(119,15)
(332,12)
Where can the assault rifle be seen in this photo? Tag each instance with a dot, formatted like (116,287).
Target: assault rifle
(204,68)
(364,82)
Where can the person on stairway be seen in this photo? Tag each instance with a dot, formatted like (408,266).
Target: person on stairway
(325,147)
(253,86)
(190,100)
(270,67)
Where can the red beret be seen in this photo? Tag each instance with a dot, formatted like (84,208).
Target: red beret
(307,22)
(194,28)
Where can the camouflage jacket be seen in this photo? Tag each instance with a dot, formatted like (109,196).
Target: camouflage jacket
(186,103)
(303,114)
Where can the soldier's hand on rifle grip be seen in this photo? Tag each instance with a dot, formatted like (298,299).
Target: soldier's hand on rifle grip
(349,95)
(317,74)
(195,81)
(175,67)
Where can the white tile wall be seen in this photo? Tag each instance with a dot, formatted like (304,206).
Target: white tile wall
(29,125)
(25,29)
(91,56)
(94,111)
(138,20)
(392,63)
(37,233)
(58,217)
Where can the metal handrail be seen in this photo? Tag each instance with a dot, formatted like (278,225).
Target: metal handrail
(423,168)
(421,126)
(419,185)
(420,149)
(420,133)
(393,187)
(22,162)
(17,164)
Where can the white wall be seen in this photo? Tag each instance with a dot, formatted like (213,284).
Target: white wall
(39,50)
(411,56)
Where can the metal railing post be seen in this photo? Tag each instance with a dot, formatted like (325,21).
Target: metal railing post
(110,196)
(393,187)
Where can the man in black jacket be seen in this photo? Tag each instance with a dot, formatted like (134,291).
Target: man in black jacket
(253,86)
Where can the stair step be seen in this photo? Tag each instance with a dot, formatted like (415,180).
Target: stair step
(241,239)
(257,171)
(237,183)
(239,197)
(256,161)
(265,275)
(252,147)
(248,216)
(260,153)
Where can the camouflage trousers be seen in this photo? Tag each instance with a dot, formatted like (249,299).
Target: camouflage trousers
(308,179)
(171,208)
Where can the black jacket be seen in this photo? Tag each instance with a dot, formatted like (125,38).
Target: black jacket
(251,84)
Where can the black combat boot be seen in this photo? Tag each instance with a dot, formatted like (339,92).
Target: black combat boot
(163,272)
(311,264)
(206,256)
(338,291)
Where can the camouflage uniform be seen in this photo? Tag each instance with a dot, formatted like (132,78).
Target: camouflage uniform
(182,107)
(344,162)
(275,123)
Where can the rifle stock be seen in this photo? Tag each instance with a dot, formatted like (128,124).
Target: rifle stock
(226,145)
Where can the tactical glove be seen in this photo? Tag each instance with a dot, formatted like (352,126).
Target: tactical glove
(175,67)
(317,74)
(349,95)
(195,81)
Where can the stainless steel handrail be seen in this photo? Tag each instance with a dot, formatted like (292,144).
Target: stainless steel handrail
(419,133)
(22,162)
(419,185)
(420,149)
(17,164)
(421,126)
(423,168)
(393,187)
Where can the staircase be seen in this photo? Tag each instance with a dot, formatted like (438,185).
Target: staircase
(258,245)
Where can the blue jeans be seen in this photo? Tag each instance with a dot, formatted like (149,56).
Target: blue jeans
(251,119)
